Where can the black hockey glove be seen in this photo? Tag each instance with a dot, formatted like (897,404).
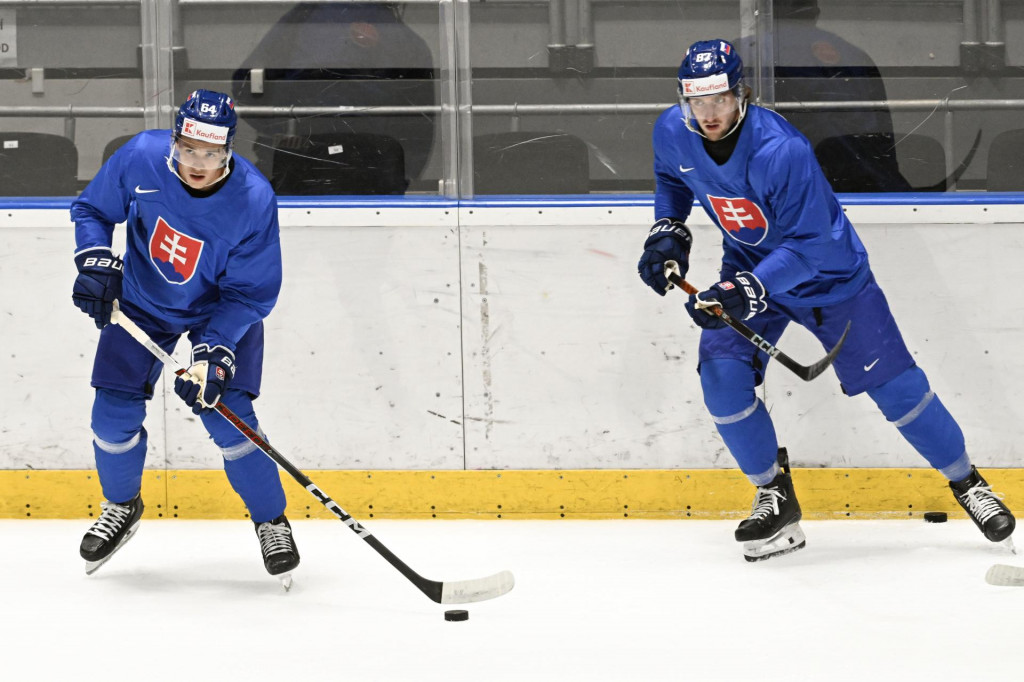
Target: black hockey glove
(668,242)
(204,384)
(741,296)
(98,284)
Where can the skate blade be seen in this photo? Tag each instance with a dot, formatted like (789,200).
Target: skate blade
(93,566)
(788,540)
(286,581)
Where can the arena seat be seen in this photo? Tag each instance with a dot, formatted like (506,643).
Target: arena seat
(1005,171)
(880,162)
(338,164)
(38,164)
(116,144)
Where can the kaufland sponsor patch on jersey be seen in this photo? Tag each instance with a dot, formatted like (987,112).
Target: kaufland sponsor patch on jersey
(207,132)
(174,253)
(741,218)
(711,85)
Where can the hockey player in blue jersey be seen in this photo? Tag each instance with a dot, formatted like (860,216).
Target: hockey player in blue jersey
(790,255)
(202,258)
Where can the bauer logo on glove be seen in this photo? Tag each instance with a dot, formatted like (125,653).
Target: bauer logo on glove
(98,283)
(112,262)
(668,242)
(742,296)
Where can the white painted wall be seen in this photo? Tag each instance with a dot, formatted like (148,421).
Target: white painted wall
(520,337)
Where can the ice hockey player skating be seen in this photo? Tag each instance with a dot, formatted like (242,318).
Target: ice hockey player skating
(202,258)
(790,255)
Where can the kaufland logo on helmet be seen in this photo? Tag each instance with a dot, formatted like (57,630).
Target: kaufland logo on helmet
(198,130)
(698,87)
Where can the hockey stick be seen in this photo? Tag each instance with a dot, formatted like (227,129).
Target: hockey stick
(454,592)
(1005,575)
(948,182)
(806,373)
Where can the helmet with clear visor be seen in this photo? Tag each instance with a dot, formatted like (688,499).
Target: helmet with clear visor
(199,155)
(711,69)
(204,130)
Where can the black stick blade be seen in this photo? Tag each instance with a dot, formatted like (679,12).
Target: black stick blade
(812,371)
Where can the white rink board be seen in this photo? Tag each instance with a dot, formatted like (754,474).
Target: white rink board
(446,339)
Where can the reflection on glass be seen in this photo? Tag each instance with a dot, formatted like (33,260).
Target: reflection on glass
(857,148)
(551,83)
(346,54)
(530,163)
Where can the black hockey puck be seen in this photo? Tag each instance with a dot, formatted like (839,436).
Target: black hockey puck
(935,517)
(457,614)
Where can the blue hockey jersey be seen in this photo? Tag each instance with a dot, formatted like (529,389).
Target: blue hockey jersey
(777,213)
(211,262)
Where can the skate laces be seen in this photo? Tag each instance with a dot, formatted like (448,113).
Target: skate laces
(766,503)
(982,502)
(111,520)
(274,539)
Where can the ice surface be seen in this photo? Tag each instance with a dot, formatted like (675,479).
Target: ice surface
(594,600)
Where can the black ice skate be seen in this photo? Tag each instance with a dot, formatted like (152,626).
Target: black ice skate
(115,526)
(280,555)
(985,508)
(773,527)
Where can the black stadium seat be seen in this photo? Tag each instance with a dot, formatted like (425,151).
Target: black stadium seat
(1006,162)
(338,163)
(116,144)
(881,162)
(527,162)
(922,161)
(37,164)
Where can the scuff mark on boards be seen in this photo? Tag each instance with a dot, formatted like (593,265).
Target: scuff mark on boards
(485,350)
(492,421)
(437,414)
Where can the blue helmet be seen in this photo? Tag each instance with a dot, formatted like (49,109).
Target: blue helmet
(207,115)
(710,67)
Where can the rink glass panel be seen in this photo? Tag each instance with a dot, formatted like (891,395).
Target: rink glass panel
(459,99)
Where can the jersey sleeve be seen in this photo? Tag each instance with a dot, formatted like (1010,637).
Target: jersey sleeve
(103,203)
(672,197)
(250,284)
(799,196)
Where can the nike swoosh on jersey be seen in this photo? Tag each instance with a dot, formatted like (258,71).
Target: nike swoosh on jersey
(685,170)
(139,190)
(867,368)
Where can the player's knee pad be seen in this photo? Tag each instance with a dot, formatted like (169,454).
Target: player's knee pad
(909,403)
(741,418)
(902,397)
(117,418)
(119,442)
(728,387)
(232,443)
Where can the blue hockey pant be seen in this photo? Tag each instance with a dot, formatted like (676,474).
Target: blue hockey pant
(874,359)
(124,374)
